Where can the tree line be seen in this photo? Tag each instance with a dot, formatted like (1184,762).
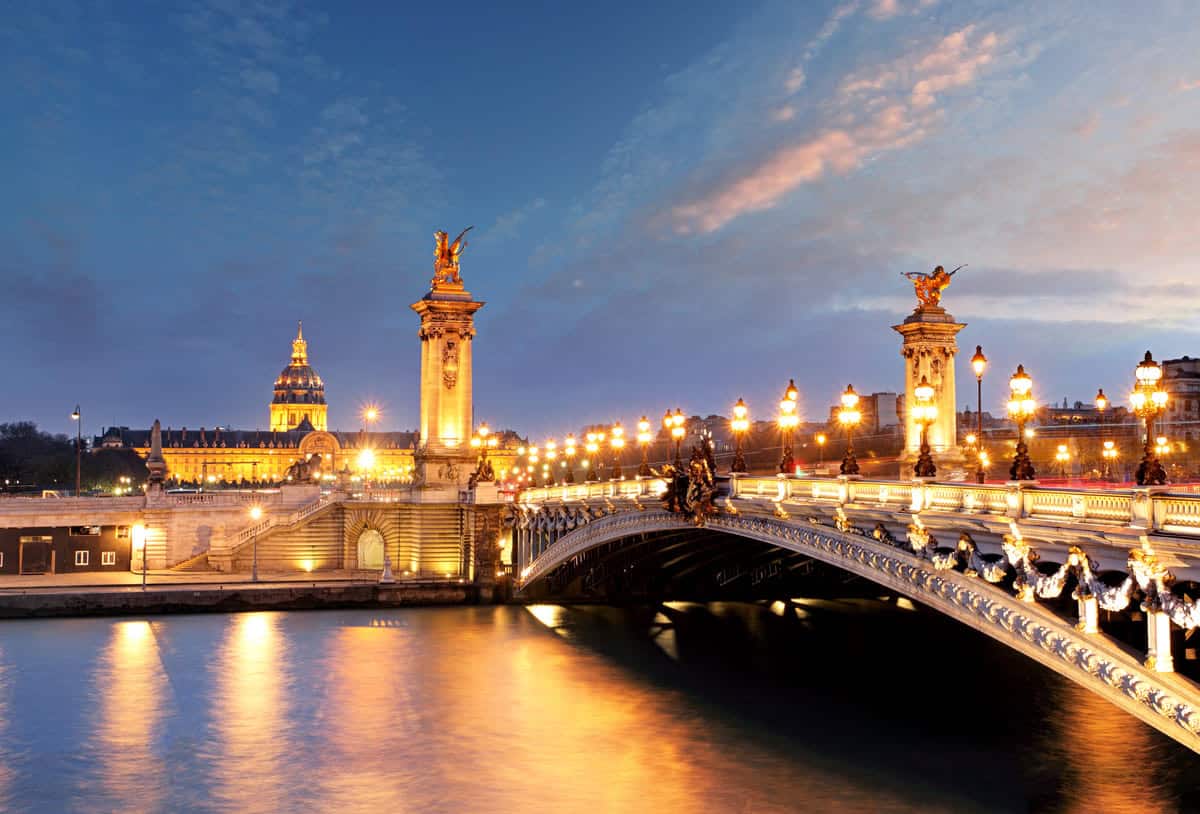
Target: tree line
(32,460)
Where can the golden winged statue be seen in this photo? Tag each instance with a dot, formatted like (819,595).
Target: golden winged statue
(445,258)
(929,287)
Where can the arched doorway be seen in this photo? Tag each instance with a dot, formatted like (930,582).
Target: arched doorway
(370,549)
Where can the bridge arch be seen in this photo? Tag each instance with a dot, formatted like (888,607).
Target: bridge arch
(1085,656)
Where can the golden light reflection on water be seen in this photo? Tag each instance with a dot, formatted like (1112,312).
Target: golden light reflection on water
(366,715)
(250,715)
(133,693)
(527,721)
(1114,757)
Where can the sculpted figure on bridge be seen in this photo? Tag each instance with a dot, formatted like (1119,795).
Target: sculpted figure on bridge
(929,287)
(445,257)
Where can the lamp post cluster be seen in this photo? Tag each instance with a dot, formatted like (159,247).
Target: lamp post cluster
(788,421)
(849,417)
(740,425)
(644,438)
(675,423)
(1148,400)
(979,365)
(924,413)
(1021,407)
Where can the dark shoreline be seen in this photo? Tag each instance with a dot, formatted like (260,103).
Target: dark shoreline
(236,598)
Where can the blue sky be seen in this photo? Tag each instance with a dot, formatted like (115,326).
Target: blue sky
(675,203)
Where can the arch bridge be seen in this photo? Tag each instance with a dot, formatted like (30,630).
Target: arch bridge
(1092,584)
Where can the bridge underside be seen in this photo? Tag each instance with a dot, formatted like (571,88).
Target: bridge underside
(696,564)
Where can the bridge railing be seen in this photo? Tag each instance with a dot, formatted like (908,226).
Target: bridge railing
(1149,508)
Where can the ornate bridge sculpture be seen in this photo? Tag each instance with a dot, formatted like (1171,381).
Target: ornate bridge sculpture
(1004,560)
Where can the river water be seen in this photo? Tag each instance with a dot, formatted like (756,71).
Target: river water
(807,705)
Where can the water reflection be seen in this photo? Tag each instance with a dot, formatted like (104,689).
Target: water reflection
(131,694)
(250,713)
(1097,755)
(839,705)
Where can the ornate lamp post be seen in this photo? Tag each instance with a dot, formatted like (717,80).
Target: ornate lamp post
(1021,408)
(616,440)
(740,424)
(849,416)
(592,446)
(1109,453)
(1148,400)
(1101,406)
(643,439)
(678,431)
(924,413)
(821,439)
(569,456)
(1063,456)
(77,417)
(532,458)
(256,514)
(979,365)
(788,421)
(551,447)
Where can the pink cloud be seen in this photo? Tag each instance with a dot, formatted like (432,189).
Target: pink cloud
(889,119)
(795,80)
(955,62)
(1187,84)
(883,9)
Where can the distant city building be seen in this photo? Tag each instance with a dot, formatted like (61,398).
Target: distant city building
(879,411)
(1181,380)
(298,421)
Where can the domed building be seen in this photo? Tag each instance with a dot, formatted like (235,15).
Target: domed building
(299,392)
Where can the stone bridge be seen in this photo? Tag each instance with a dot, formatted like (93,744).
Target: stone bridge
(1092,584)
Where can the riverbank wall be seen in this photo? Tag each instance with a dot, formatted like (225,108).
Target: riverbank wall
(236,598)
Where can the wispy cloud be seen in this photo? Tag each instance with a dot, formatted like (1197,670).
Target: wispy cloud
(877,111)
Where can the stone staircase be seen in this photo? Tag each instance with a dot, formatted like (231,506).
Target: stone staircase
(196,564)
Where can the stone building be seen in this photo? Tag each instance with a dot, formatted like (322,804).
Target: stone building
(298,421)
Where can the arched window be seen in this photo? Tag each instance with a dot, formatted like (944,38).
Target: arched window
(370,549)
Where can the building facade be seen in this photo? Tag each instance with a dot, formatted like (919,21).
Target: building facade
(298,420)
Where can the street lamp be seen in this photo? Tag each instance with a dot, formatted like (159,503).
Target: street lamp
(551,447)
(788,421)
(924,413)
(821,439)
(1109,453)
(592,446)
(256,514)
(740,424)
(1063,456)
(979,364)
(569,457)
(137,537)
(849,416)
(1021,408)
(1148,400)
(678,431)
(643,439)
(616,440)
(77,417)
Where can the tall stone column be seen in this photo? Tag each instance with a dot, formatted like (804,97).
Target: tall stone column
(929,350)
(447,331)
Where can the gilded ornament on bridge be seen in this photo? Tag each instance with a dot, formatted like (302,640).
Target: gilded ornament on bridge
(450,364)
(446,254)
(929,287)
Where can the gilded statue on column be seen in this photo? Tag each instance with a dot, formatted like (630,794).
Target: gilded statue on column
(446,254)
(929,287)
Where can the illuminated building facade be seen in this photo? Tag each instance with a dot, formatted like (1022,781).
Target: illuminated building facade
(299,392)
(298,430)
